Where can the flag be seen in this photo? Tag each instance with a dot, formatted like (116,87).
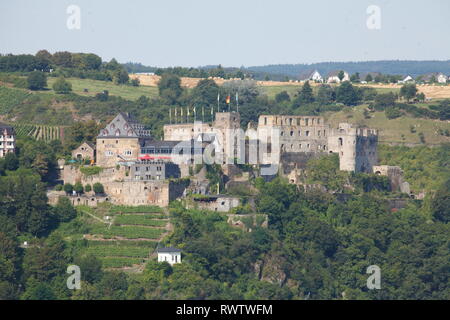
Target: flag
(218,97)
(188,112)
(212,110)
(228,100)
(237,98)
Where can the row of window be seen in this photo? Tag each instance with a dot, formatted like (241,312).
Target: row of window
(307,133)
(147,177)
(158,168)
(109,153)
(297,121)
(303,146)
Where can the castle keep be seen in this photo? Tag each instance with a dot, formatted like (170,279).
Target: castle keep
(136,169)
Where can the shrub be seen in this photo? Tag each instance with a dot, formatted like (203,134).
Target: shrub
(98,188)
(68,188)
(78,187)
(62,86)
(90,171)
(392,113)
(58,187)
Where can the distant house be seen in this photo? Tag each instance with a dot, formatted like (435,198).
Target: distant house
(170,255)
(438,77)
(311,75)
(7,140)
(85,151)
(333,77)
(407,79)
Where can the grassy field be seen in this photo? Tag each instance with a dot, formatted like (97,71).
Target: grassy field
(395,130)
(292,89)
(95,86)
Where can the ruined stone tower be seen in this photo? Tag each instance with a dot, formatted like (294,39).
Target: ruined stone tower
(357,147)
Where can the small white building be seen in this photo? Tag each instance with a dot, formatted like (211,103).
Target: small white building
(407,79)
(7,140)
(438,77)
(170,255)
(333,77)
(312,75)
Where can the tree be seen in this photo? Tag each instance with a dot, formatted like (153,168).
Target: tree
(98,188)
(440,203)
(325,94)
(283,96)
(169,87)
(62,59)
(62,86)
(355,78)
(408,91)
(37,80)
(10,162)
(64,210)
(78,187)
(121,76)
(341,75)
(369,78)
(421,97)
(384,100)
(68,188)
(347,94)
(88,188)
(205,93)
(305,95)
(91,268)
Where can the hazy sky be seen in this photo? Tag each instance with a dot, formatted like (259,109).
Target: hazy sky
(231,32)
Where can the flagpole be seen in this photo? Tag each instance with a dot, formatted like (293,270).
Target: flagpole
(218,101)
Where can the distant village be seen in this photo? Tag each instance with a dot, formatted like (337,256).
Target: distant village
(339,76)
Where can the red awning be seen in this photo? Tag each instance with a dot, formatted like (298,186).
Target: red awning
(146,157)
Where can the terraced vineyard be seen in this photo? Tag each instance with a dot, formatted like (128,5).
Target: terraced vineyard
(129,238)
(40,132)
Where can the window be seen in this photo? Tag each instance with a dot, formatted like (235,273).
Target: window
(127,153)
(341,141)
(307,133)
(108,153)
(292,133)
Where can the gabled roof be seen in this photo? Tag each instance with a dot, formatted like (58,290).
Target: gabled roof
(306,75)
(335,73)
(6,127)
(124,125)
(168,250)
